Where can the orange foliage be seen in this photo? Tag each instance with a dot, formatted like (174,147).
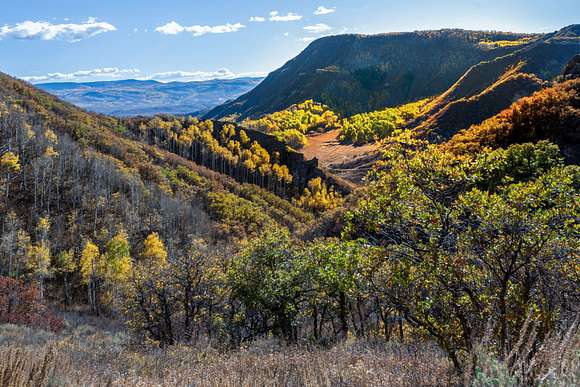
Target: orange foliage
(552,113)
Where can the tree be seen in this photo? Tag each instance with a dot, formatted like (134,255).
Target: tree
(66,266)
(9,166)
(10,163)
(39,255)
(460,256)
(318,197)
(90,267)
(177,301)
(266,279)
(118,257)
(339,272)
(154,250)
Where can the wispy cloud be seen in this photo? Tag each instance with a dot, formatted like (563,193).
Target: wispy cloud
(174,28)
(84,75)
(276,17)
(319,28)
(257,19)
(188,76)
(42,30)
(322,10)
(113,73)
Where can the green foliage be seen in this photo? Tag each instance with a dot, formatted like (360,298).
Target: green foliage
(118,257)
(238,217)
(373,126)
(460,256)
(267,279)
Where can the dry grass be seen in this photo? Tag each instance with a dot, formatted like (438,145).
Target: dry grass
(94,353)
(555,363)
(86,356)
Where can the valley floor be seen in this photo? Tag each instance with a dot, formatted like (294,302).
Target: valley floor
(347,161)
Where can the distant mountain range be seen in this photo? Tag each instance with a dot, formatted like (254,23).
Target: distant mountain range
(359,73)
(137,97)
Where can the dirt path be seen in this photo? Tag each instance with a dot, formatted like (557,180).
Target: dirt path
(346,161)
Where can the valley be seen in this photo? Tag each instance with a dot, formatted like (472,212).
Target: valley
(394,209)
(347,161)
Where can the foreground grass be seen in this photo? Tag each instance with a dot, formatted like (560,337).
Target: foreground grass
(92,352)
(91,356)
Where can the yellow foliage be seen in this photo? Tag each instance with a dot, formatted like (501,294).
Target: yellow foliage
(10,162)
(51,136)
(154,249)
(89,263)
(43,227)
(50,152)
(39,259)
(317,197)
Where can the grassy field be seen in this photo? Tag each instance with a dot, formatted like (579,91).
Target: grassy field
(97,352)
(91,352)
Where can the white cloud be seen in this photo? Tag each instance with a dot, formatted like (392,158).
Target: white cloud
(257,19)
(318,28)
(113,73)
(174,28)
(322,10)
(171,28)
(84,75)
(276,17)
(47,31)
(190,76)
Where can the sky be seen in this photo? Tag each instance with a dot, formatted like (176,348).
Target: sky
(188,40)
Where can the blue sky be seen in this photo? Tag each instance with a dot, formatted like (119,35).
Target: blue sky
(58,40)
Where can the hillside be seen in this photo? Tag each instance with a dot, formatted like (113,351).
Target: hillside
(358,73)
(135,97)
(75,164)
(550,114)
(491,86)
(463,112)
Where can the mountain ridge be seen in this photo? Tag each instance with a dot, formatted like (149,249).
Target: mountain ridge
(374,71)
(359,73)
(149,97)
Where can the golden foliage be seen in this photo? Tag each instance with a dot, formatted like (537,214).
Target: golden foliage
(318,197)
(154,249)
(89,261)
(10,163)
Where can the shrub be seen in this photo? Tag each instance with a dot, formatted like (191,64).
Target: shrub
(21,304)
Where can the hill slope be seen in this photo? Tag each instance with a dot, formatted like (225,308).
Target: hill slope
(74,165)
(356,73)
(549,114)
(135,97)
(491,86)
